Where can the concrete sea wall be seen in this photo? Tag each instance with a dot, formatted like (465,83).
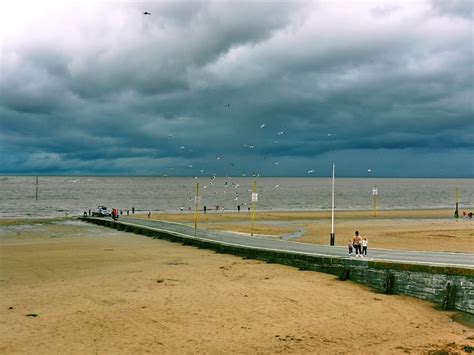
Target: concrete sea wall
(449,287)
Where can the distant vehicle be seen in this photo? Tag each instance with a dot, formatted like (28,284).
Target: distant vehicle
(101,211)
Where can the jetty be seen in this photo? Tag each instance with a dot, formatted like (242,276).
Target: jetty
(446,279)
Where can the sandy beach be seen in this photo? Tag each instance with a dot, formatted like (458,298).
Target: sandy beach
(78,288)
(428,230)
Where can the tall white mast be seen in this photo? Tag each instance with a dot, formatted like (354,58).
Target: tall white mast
(332,210)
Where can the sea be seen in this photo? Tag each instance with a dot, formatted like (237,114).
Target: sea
(72,195)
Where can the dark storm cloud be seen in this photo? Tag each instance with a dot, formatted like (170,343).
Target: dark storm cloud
(103,89)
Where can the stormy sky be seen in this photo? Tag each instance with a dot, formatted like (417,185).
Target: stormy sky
(276,88)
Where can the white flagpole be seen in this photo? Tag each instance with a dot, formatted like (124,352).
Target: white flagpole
(332,211)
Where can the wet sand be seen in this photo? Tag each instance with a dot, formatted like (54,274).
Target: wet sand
(95,289)
(428,230)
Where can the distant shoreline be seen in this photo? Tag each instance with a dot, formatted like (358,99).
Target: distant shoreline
(438,212)
(239,176)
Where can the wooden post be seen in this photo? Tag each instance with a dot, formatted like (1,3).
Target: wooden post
(456,212)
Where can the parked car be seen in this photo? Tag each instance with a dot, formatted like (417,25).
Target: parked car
(101,211)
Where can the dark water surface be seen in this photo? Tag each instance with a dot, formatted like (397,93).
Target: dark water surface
(62,195)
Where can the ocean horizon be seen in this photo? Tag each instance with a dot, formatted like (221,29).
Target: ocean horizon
(73,194)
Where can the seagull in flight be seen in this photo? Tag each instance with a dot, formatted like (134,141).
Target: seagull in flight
(146,13)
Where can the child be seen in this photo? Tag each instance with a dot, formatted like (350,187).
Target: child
(349,245)
(364,246)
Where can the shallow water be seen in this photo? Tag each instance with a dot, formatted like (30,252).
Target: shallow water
(63,195)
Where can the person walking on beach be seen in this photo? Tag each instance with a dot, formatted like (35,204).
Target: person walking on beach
(356,239)
(349,245)
(149,214)
(364,246)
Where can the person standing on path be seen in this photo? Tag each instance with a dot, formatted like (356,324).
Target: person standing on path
(356,239)
(364,246)
(349,245)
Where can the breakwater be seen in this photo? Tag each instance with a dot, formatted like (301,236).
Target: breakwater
(450,287)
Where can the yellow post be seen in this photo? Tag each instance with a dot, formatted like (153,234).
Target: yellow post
(196,209)
(374,192)
(254,200)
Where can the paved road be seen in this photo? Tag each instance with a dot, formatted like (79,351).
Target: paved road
(432,258)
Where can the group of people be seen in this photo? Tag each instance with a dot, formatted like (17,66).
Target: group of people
(357,244)
(205,209)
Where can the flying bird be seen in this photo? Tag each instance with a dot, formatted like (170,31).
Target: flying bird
(262,125)
(146,13)
(281,133)
(310,171)
(228,105)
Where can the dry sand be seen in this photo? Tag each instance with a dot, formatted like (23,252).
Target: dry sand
(428,230)
(97,290)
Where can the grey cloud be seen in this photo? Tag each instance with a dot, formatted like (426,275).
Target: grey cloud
(208,74)
(457,8)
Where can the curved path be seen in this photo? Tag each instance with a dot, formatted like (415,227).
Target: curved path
(465,260)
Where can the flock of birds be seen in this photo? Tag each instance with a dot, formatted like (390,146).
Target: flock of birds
(247,146)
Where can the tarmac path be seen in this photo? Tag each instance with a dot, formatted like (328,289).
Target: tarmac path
(465,260)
